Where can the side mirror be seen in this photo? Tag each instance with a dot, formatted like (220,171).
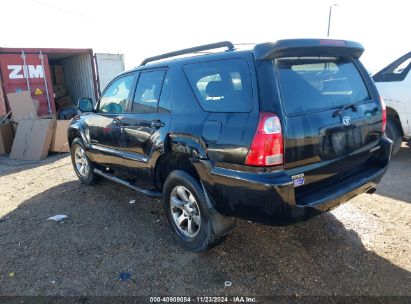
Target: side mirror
(85,105)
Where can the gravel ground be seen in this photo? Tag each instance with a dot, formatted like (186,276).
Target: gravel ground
(360,248)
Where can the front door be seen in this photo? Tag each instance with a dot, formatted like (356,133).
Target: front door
(146,127)
(104,127)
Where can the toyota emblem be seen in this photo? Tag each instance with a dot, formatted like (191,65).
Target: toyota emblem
(346,120)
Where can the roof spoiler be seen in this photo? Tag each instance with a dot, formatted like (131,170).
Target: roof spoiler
(307,47)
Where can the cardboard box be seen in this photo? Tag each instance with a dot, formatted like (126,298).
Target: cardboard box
(22,106)
(59,143)
(3,110)
(14,127)
(59,91)
(33,139)
(64,102)
(58,74)
(6,138)
(48,116)
(36,104)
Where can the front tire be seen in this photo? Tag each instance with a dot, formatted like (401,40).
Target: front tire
(187,212)
(82,165)
(393,132)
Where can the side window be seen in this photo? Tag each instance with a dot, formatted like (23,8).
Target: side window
(115,98)
(221,86)
(396,71)
(148,91)
(164,105)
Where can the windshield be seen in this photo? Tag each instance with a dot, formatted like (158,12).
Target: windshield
(316,83)
(396,71)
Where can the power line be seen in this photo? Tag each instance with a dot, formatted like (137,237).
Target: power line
(62,9)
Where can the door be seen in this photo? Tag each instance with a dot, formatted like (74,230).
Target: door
(146,127)
(108,67)
(104,126)
(333,119)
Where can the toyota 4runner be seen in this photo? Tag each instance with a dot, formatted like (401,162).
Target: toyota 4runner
(275,134)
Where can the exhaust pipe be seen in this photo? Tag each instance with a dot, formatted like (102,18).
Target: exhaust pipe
(371,190)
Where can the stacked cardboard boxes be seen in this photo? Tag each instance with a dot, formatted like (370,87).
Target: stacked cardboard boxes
(62,97)
(35,136)
(6,137)
(59,140)
(33,139)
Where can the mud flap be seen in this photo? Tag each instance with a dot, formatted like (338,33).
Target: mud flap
(222,225)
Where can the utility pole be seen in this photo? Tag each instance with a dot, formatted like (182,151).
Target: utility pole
(329,18)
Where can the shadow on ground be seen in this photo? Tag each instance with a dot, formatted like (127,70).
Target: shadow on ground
(396,182)
(9,166)
(104,235)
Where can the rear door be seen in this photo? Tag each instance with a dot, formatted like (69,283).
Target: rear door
(145,128)
(333,120)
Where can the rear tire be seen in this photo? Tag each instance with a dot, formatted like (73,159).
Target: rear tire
(187,212)
(393,132)
(82,165)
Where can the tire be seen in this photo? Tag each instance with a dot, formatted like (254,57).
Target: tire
(202,236)
(86,175)
(393,132)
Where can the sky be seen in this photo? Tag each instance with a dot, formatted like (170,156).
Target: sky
(140,29)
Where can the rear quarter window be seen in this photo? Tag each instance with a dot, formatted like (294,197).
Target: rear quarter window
(221,86)
(320,83)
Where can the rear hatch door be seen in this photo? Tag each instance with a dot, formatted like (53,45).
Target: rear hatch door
(332,120)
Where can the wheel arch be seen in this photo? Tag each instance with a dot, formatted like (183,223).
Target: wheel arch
(181,152)
(171,161)
(75,131)
(393,114)
(188,154)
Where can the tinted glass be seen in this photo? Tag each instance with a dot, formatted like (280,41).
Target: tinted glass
(148,92)
(309,84)
(164,105)
(221,86)
(396,71)
(115,98)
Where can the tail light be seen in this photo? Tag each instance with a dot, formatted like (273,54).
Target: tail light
(267,146)
(384,114)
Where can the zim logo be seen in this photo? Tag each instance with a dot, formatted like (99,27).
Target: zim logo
(346,120)
(29,71)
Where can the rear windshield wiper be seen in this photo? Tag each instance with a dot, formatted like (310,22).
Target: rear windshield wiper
(339,111)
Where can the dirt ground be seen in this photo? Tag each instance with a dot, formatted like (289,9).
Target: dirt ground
(360,248)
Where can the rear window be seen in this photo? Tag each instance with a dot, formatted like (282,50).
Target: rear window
(310,84)
(221,86)
(396,71)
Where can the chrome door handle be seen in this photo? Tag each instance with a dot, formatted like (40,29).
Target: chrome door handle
(117,122)
(155,124)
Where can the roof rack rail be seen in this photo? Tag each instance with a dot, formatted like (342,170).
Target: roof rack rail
(204,47)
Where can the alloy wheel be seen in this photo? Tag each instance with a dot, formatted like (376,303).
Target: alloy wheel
(81,161)
(185,211)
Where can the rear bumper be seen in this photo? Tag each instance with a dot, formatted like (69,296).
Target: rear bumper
(270,198)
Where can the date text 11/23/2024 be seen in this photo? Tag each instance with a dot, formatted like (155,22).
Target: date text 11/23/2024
(205,299)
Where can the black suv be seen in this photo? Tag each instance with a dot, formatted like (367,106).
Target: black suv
(274,134)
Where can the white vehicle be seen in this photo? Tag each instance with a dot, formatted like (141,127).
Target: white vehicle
(394,84)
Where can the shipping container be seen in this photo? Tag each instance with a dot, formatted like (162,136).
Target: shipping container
(108,66)
(57,78)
